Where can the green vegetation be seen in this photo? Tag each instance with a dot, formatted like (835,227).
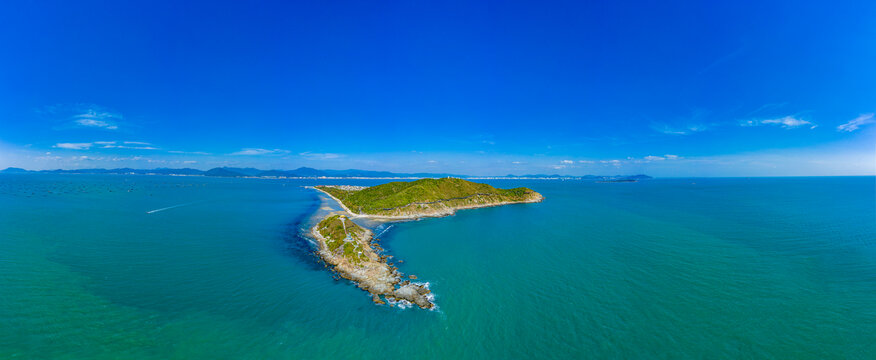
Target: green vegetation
(342,236)
(397,197)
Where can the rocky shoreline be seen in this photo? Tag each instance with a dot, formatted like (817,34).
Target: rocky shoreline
(356,257)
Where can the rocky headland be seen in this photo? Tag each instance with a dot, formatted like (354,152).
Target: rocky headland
(354,254)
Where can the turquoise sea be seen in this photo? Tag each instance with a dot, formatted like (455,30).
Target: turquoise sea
(736,268)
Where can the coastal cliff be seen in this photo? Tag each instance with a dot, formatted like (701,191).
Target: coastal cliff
(353,253)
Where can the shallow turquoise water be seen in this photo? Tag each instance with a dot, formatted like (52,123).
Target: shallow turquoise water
(670,268)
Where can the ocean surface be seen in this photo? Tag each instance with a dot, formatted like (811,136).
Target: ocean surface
(160,267)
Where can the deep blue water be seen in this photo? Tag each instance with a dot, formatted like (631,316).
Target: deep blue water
(668,268)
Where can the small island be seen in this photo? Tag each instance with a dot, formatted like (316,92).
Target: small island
(424,198)
(353,253)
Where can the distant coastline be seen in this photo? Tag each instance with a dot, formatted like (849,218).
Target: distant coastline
(310,173)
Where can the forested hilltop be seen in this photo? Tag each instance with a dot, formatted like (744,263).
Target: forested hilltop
(425,197)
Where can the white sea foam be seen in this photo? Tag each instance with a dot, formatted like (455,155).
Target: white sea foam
(401,304)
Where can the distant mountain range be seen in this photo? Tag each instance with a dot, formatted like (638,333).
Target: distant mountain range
(304,172)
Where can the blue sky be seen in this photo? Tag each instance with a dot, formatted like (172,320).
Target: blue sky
(665,88)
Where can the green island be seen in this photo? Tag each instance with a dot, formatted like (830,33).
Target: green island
(354,254)
(424,198)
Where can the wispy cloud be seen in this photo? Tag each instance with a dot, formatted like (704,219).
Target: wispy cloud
(574,164)
(82,116)
(787,122)
(723,59)
(320,156)
(257,151)
(857,122)
(95,116)
(650,158)
(95,123)
(129,147)
(696,121)
(766,108)
(617,163)
(105,145)
(74,146)
(188,152)
(686,130)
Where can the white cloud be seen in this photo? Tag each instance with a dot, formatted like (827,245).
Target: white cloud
(559,167)
(102,145)
(431,161)
(129,147)
(567,162)
(74,146)
(94,116)
(132,158)
(115,145)
(320,156)
(857,122)
(189,152)
(95,123)
(81,115)
(686,130)
(256,151)
(787,122)
(516,162)
(586,162)
(650,158)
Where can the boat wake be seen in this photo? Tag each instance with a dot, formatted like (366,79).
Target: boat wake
(169,207)
(383,232)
